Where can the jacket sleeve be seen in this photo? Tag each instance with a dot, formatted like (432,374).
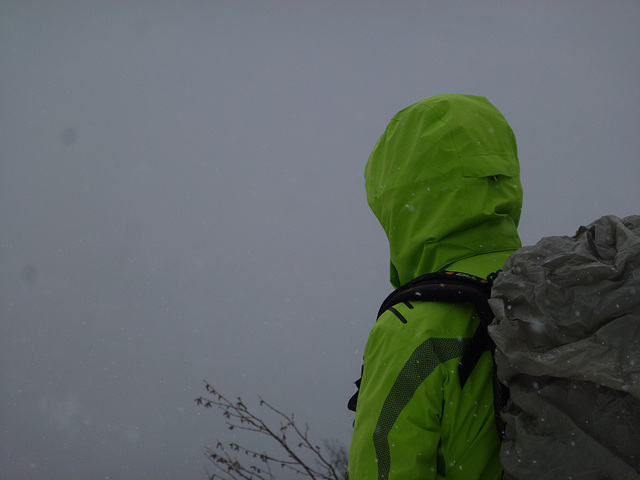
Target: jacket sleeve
(397,426)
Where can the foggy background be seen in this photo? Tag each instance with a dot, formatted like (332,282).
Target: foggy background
(182,199)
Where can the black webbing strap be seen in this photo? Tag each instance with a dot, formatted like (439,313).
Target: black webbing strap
(447,286)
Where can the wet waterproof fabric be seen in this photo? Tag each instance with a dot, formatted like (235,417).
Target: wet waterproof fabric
(567,330)
(443,181)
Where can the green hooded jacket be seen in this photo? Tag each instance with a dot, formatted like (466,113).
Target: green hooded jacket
(443,180)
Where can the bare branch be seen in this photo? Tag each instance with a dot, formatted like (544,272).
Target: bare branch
(298,453)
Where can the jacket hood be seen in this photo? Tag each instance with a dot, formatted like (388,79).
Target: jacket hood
(444,182)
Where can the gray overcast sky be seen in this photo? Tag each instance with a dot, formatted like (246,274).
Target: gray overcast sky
(181,198)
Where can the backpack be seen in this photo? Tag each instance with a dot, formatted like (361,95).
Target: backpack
(566,347)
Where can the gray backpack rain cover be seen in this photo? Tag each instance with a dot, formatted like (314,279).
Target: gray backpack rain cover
(567,332)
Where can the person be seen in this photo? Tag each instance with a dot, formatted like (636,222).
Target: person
(444,182)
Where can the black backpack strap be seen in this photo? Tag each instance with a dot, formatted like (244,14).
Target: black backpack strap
(353,401)
(448,286)
(442,286)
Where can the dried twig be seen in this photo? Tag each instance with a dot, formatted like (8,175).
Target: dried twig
(298,454)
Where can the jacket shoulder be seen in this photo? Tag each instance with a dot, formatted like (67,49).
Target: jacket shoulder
(428,319)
